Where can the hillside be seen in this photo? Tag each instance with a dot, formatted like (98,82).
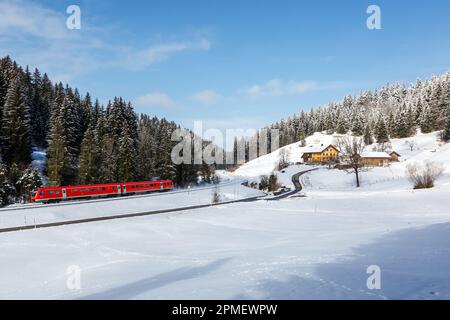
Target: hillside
(313,247)
(426,148)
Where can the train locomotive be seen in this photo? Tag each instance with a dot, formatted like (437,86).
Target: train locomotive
(64,193)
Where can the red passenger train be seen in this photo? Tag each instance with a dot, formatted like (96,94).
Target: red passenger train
(56,194)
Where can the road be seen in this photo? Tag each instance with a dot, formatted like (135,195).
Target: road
(298,186)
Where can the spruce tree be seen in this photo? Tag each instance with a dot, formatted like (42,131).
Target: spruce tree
(342,126)
(3,90)
(381,133)
(61,154)
(127,157)
(89,157)
(367,135)
(6,188)
(446,132)
(145,165)
(358,123)
(28,182)
(427,120)
(402,127)
(15,127)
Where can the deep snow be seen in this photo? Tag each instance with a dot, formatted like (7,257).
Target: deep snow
(317,246)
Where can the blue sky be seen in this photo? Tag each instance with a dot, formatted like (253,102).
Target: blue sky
(229,63)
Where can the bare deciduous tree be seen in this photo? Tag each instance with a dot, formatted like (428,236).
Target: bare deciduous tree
(352,149)
(424,176)
(411,144)
(383,147)
(283,161)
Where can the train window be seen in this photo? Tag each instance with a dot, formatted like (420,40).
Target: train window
(75,190)
(57,191)
(41,193)
(51,192)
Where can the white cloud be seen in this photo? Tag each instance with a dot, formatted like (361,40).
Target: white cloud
(160,52)
(155,100)
(276,87)
(28,19)
(37,36)
(207,97)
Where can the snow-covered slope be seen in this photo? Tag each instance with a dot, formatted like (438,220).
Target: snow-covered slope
(426,148)
(318,247)
(266,164)
(313,247)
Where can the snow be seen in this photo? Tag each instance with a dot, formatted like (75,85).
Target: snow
(313,247)
(375,154)
(266,164)
(40,214)
(315,148)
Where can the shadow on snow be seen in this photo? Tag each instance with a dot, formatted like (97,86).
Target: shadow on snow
(414,263)
(134,289)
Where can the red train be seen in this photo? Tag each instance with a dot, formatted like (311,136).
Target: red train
(56,194)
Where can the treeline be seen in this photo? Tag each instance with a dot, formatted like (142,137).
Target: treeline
(394,111)
(85,142)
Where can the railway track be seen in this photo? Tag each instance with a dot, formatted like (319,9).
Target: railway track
(295,180)
(78,202)
(122,216)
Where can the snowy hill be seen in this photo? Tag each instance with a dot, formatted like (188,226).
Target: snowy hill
(318,246)
(426,148)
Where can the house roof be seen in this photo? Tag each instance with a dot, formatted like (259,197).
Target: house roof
(396,153)
(375,154)
(318,148)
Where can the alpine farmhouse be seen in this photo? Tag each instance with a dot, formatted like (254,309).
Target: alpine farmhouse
(320,154)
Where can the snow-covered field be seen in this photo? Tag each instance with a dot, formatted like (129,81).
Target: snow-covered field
(318,246)
(74,210)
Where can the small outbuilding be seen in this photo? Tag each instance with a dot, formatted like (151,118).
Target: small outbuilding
(375,159)
(394,156)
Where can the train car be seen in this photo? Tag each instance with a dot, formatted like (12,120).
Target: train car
(56,194)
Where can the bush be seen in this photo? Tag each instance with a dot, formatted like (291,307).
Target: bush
(269,183)
(424,176)
(273,182)
(216,196)
(264,183)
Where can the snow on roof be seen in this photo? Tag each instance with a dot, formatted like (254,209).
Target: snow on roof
(375,154)
(316,148)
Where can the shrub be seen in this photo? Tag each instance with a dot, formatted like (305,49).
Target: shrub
(424,176)
(273,182)
(216,196)
(264,183)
